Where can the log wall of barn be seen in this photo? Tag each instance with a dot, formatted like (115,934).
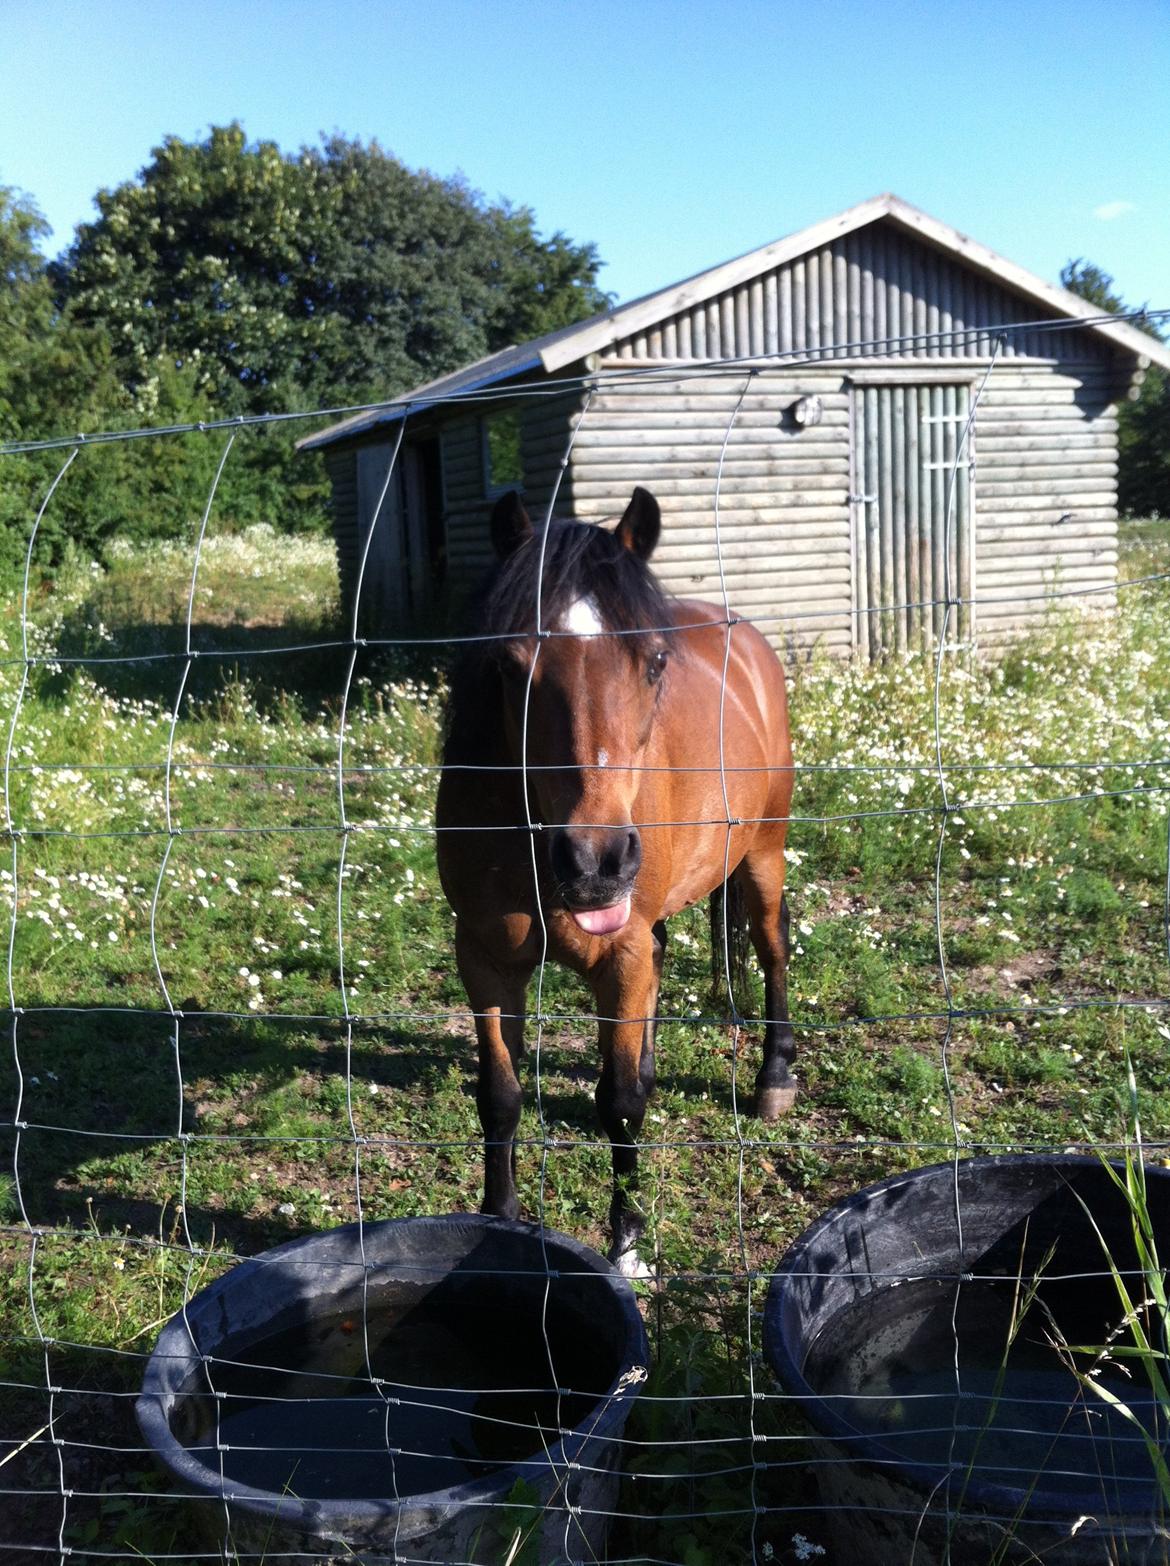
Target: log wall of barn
(463,500)
(341,466)
(783,526)
(1045,447)
(1045,492)
(545,426)
(1045,489)
(1046,434)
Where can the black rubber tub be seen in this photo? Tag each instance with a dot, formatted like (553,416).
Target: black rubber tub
(504,1363)
(931,1358)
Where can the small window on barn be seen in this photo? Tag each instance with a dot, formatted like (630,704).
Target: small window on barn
(503,466)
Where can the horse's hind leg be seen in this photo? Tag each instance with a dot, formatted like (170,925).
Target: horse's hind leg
(496,995)
(650,1029)
(761,876)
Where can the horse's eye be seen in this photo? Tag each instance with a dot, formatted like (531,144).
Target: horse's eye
(657,666)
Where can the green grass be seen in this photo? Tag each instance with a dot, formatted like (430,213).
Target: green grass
(1139,1342)
(1052,919)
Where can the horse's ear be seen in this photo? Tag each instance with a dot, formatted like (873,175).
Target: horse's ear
(511,524)
(641,524)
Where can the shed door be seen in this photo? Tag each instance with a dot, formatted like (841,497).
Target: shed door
(385,592)
(905,556)
(404,560)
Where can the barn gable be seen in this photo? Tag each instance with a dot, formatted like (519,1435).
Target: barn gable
(874,291)
(867,280)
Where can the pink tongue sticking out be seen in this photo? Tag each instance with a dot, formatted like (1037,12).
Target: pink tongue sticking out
(603,921)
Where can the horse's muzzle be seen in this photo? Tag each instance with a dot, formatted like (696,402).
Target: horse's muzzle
(595,869)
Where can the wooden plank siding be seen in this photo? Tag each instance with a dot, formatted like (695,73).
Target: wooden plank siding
(1046,493)
(545,427)
(341,466)
(783,518)
(464,505)
(395,599)
(879,307)
(1043,485)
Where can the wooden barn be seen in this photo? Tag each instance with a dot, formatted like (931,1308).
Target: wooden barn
(827,381)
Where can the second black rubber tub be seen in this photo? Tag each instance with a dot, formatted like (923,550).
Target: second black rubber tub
(935,1329)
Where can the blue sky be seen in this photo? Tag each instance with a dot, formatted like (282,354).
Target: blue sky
(672,133)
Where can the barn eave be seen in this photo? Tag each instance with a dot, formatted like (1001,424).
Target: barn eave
(505,365)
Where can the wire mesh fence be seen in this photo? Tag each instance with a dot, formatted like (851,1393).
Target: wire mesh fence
(235,1018)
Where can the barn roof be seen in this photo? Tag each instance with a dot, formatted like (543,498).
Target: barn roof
(568,346)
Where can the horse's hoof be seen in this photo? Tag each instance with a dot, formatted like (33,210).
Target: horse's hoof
(772,1102)
(631,1265)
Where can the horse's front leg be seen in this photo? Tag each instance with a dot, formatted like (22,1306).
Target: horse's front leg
(496,995)
(626,992)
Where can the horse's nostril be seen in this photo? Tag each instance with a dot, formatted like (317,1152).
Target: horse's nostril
(633,855)
(563,855)
(623,856)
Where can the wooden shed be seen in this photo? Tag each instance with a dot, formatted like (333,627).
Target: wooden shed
(826,381)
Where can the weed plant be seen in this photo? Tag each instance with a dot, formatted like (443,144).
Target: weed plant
(1140,1344)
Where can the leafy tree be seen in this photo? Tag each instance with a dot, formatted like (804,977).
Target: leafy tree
(1090,283)
(1144,436)
(59,376)
(25,298)
(231,278)
(69,383)
(196,260)
(1143,482)
(26,302)
(34,373)
(329,275)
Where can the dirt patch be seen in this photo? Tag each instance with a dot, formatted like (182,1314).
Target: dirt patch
(1020,973)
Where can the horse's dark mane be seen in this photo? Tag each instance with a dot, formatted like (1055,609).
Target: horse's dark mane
(580,560)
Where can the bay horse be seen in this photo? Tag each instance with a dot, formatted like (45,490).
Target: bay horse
(610,709)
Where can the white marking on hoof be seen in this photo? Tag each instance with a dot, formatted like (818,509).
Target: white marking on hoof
(774,1102)
(631,1265)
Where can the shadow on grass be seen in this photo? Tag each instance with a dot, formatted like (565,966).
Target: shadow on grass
(120,1120)
(301,663)
(111,1110)
(117,1496)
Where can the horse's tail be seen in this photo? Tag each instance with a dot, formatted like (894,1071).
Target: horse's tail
(730,944)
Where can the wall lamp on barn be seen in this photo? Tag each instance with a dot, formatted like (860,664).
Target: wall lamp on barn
(805,411)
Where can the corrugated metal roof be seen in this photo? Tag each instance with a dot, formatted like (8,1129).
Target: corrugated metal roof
(571,344)
(499,366)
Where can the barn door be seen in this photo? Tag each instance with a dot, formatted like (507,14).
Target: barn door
(385,584)
(417,564)
(906,558)
(398,582)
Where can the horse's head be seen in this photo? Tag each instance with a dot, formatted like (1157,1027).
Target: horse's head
(582,674)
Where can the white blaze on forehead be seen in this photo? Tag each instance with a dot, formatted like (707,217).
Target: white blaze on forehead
(603,758)
(582,619)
